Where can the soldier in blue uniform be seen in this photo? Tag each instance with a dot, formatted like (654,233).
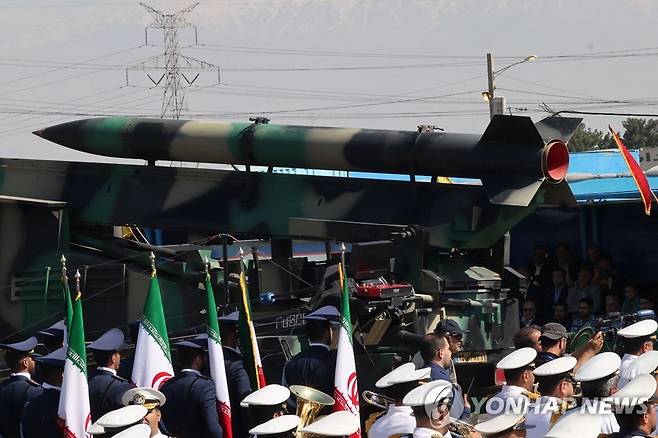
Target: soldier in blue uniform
(18,388)
(239,385)
(39,418)
(53,337)
(105,386)
(191,409)
(314,367)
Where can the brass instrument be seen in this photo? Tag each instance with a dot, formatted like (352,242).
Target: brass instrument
(460,427)
(377,400)
(532,396)
(309,403)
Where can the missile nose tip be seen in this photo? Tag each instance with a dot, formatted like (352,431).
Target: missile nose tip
(38,132)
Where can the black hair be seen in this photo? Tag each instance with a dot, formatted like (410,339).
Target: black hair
(514,375)
(103,358)
(316,329)
(431,346)
(547,342)
(14,357)
(558,269)
(629,420)
(632,345)
(186,356)
(548,384)
(588,301)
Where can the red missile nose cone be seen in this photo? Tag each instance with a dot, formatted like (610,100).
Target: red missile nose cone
(38,132)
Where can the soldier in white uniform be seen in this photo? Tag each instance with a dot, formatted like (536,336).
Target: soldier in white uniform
(598,380)
(430,403)
(508,425)
(118,420)
(637,339)
(635,408)
(151,399)
(584,425)
(398,419)
(519,380)
(556,384)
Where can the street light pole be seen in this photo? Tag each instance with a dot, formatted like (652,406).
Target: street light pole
(490,75)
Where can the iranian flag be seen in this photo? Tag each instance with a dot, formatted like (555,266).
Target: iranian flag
(216,362)
(247,334)
(152,365)
(346,391)
(73,411)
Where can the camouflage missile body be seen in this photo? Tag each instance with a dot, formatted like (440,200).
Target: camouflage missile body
(510,146)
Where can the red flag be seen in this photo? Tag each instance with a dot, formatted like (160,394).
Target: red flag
(637,173)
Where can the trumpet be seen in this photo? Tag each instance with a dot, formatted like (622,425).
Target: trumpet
(377,400)
(309,403)
(461,427)
(532,396)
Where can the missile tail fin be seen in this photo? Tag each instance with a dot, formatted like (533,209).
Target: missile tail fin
(557,128)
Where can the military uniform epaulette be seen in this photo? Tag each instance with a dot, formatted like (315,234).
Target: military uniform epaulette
(119,378)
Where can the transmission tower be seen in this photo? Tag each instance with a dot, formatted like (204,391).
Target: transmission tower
(173,62)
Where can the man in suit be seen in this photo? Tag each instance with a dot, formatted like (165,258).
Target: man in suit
(39,418)
(237,378)
(315,366)
(557,293)
(191,408)
(18,388)
(105,386)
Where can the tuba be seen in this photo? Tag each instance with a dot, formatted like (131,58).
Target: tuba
(309,403)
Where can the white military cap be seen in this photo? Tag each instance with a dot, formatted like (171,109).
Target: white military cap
(324,313)
(598,367)
(122,417)
(136,431)
(646,327)
(147,397)
(583,425)
(341,423)
(635,392)
(281,424)
(405,373)
(502,423)
(517,359)
(561,365)
(269,395)
(646,363)
(428,394)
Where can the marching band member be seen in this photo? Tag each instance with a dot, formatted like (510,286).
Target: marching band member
(556,384)
(598,380)
(637,339)
(398,418)
(519,380)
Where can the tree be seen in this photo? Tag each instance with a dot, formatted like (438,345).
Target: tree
(586,139)
(640,133)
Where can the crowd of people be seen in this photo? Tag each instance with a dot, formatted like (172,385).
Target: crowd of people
(573,292)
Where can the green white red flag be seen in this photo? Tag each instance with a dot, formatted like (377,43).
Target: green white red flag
(636,171)
(346,391)
(152,366)
(73,411)
(247,334)
(216,363)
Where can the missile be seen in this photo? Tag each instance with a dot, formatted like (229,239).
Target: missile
(512,158)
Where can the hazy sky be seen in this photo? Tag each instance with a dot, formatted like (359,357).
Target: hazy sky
(359,63)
